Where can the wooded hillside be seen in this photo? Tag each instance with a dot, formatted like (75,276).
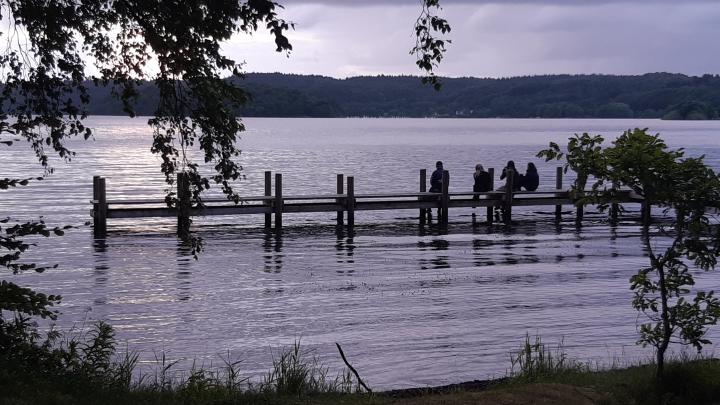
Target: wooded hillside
(653,95)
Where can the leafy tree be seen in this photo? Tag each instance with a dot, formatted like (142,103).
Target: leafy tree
(688,191)
(615,110)
(174,44)
(691,110)
(559,110)
(44,95)
(428,48)
(584,155)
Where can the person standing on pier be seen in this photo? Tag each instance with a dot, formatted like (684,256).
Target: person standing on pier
(482,181)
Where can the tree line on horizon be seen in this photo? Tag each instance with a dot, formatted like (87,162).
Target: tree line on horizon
(652,95)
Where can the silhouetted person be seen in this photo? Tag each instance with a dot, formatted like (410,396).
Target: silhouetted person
(436,180)
(530,180)
(482,181)
(517,178)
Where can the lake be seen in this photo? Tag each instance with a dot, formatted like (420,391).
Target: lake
(411,305)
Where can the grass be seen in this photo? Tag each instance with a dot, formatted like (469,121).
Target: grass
(535,360)
(293,373)
(80,371)
(84,368)
(687,380)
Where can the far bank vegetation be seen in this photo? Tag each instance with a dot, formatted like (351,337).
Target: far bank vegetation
(654,95)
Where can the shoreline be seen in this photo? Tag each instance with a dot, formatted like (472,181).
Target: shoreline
(468,386)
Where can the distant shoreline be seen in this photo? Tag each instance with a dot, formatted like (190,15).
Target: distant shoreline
(421,118)
(652,95)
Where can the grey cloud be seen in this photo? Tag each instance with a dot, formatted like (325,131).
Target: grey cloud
(390,3)
(500,40)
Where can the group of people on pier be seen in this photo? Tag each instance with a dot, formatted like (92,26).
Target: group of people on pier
(482,181)
(529,181)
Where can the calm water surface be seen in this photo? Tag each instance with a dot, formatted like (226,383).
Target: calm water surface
(411,306)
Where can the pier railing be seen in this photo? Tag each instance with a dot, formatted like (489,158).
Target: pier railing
(344,202)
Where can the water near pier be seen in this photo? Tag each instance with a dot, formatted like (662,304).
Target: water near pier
(411,306)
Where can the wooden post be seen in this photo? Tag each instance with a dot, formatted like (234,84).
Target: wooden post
(96,205)
(579,208)
(445,199)
(614,207)
(423,188)
(99,208)
(278,206)
(268,193)
(507,204)
(350,203)
(103,207)
(558,186)
(340,181)
(183,208)
(491,172)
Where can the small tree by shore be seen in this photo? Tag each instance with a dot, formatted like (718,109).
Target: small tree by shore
(688,192)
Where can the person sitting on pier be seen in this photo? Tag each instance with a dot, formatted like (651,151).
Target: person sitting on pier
(517,178)
(436,180)
(482,181)
(530,180)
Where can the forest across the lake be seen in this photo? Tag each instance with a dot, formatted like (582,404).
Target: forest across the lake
(652,95)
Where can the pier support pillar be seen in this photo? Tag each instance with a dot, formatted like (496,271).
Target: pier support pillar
(559,187)
(338,201)
(183,208)
(445,198)
(423,188)
(508,200)
(268,193)
(350,203)
(489,213)
(278,203)
(99,208)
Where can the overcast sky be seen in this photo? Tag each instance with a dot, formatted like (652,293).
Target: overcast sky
(342,38)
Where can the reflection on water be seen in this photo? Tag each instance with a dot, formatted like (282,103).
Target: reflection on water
(100,269)
(183,274)
(426,300)
(272,246)
(449,304)
(345,247)
(438,261)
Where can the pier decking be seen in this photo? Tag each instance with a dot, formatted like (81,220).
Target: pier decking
(344,202)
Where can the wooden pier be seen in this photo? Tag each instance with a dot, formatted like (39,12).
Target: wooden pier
(344,202)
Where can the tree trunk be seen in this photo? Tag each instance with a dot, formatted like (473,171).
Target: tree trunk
(664,312)
(664,315)
(659,266)
(660,363)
